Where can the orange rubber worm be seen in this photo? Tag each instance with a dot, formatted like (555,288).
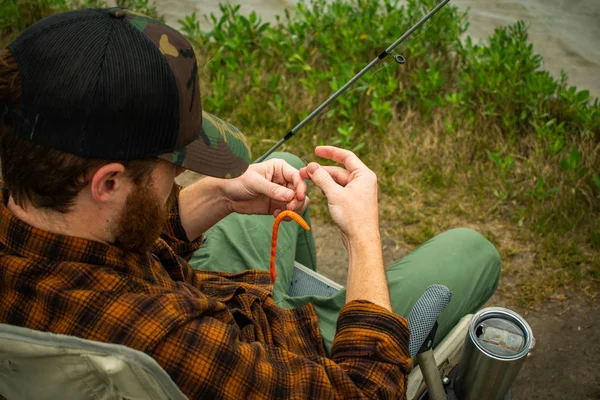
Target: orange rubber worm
(278,219)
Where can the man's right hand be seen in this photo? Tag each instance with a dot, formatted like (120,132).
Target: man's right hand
(351,191)
(352,197)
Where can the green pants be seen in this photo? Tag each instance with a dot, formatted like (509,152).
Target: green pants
(460,259)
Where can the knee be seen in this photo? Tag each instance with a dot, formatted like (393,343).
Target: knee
(472,244)
(290,158)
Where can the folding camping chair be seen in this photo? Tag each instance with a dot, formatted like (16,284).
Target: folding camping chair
(43,365)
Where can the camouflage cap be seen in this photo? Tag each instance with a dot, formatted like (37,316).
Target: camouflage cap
(114,84)
(221,151)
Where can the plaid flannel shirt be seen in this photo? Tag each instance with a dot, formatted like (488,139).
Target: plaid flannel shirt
(217,335)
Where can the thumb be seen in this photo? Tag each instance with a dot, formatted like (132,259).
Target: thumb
(321,178)
(274,191)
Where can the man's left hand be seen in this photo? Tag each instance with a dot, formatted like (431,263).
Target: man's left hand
(267,188)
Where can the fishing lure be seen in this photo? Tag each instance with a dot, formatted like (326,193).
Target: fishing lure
(299,220)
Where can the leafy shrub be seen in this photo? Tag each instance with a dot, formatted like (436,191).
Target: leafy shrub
(16,15)
(502,127)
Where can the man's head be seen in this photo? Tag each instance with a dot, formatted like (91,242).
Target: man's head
(101,109)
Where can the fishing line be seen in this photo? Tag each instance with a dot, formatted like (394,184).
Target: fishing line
(398,58)
(206,65)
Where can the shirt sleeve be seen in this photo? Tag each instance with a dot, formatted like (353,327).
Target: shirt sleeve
(174,233)
(369,360)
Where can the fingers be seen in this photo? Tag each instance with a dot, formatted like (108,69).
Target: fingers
(291,175)
(274,191)
(286,175)
(299,207)
(344,157)
(321,178)
(303,173)
(339,175)
(302,206)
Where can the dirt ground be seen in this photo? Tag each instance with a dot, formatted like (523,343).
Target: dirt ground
(566,360)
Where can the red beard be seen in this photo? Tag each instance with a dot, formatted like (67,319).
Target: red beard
(142,220)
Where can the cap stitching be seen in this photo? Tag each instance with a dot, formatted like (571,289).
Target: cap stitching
(83,132)
(164,61)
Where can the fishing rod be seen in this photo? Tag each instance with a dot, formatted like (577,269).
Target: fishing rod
(397,57)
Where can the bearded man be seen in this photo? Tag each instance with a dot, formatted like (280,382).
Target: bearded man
(100,112)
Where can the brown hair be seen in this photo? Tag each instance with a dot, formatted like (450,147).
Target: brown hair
(43,177)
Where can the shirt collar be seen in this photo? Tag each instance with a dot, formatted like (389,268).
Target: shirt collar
(20,238)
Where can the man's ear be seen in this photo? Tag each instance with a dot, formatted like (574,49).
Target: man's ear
(107,182)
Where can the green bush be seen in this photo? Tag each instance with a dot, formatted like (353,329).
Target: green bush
(505,131)
(16,15)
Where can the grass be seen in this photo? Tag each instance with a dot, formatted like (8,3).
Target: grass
(463,134)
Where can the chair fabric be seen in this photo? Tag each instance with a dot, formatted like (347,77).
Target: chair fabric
(425,313)
(306,282)
(42,365)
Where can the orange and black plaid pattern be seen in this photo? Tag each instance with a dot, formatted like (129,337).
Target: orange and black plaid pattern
(217,335)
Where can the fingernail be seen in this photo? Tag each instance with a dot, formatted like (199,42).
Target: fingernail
(312,168)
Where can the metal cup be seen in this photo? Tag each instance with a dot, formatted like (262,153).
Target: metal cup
(497,342)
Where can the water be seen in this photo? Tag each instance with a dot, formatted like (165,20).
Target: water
(565,32)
